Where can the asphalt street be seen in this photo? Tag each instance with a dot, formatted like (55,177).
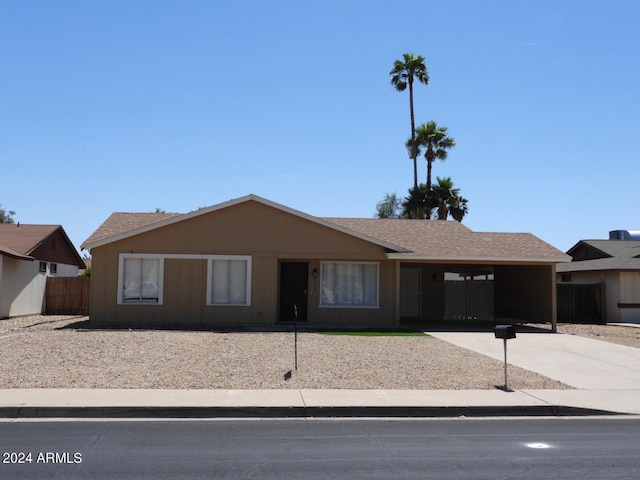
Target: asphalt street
(567,448)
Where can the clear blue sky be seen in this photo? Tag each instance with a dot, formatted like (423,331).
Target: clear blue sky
(132,105)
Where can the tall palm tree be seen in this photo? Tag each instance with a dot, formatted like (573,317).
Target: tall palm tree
(403,74)
(435,141)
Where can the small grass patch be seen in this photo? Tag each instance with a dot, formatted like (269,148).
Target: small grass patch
(375,333)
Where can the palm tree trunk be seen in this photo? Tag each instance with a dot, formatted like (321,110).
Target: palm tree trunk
(429,193)
(413,135)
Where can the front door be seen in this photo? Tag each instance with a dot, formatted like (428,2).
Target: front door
(294,285)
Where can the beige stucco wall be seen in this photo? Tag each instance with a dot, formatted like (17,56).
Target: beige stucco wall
(269,235)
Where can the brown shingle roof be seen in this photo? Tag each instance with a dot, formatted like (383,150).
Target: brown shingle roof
(449,239)
(19,240)
(605,255)
(417,239)
(119,223)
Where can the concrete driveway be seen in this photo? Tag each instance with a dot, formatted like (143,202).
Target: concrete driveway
(605,375)
(580,362)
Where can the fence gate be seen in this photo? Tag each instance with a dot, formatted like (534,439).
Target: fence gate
(580,303)
(67,296)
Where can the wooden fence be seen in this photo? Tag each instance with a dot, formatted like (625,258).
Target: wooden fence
(67,296)
(579,303)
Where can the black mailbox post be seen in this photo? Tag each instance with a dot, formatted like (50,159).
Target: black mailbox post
(505,332)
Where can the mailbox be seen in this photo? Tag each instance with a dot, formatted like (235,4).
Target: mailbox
(505,331)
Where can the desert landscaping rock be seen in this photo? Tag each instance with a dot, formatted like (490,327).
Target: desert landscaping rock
(60,352)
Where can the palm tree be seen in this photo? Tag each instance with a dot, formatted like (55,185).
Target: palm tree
(416,203)
(444,192)
(436,142)
(460,209)
(403,74)
(449,200)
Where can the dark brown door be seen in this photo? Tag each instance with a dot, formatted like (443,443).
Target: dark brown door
(294,285)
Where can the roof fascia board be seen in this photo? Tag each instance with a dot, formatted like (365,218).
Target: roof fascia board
(598,269)
(72,247)
(7,252)
(590,246)
(237,201)
(476,259)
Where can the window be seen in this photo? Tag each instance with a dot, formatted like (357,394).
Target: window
(141,279)
(349,284)
(229,279)
(43,267)
(53,268)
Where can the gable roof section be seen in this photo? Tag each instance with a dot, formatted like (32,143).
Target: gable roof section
(607,255)
(402,239)
(124,225)
(22,241)
(439,240)
(611,248)
(19,241)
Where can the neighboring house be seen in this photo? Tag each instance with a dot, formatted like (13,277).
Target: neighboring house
(251,261)
(28,255)
(612,268)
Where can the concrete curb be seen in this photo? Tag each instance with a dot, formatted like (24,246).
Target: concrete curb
(160,412)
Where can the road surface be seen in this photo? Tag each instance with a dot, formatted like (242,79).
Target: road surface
(548,448)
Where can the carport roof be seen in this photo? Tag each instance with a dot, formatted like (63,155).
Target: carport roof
(439,240)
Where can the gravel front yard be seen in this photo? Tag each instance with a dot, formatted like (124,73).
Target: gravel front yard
(61,352)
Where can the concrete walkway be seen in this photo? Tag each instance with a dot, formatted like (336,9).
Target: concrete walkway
(606,378)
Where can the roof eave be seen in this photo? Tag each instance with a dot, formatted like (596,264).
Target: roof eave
(7,252)
(476,259)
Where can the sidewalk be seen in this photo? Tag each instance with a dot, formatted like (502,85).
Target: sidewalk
(606,378)
(47,403)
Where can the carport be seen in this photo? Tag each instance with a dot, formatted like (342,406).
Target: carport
(477,292)
(447,272)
